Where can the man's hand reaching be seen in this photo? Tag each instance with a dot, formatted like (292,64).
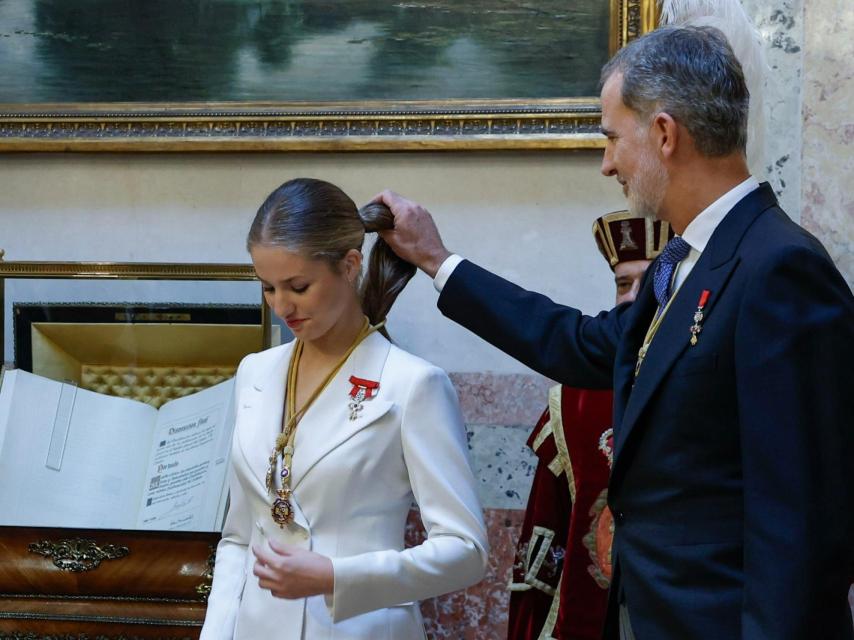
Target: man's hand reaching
(415,237)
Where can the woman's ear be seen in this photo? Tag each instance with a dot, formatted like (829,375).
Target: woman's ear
(352,265)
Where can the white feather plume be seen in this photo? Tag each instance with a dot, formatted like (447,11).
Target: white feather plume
(730,17)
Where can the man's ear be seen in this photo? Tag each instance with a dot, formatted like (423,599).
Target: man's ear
(665,132)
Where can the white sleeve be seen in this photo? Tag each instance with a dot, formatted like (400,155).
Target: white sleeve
(445,270)
(456,550)
(230,566)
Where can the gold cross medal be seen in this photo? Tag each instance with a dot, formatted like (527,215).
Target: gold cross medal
(697,327)
(362,390)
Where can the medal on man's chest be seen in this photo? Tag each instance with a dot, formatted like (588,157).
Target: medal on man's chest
(699,314)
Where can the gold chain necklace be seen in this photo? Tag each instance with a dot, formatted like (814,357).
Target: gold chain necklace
(653,329)
(282,510)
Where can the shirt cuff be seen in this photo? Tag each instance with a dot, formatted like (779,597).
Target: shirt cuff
(445,271)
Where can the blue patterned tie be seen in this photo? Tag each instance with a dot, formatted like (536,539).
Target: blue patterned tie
(674,252)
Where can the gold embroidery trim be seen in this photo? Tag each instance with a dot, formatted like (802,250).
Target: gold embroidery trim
(544,433)
(556,466)
(557,429)
(545,535)
(551,618)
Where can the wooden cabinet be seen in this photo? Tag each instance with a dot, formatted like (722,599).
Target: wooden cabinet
(103,584)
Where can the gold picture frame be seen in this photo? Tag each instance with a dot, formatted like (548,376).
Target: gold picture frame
(430,125)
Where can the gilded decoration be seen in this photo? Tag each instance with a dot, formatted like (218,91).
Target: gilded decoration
(127,271)
(204,589)
(78,554)
(499,117)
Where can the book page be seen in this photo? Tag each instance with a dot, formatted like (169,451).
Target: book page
(185,476)
(70,457)
(5,401)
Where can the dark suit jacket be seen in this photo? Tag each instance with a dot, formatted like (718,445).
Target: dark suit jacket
(732,486)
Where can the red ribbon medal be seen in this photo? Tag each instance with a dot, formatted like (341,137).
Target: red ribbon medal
(362,390)
(697,327)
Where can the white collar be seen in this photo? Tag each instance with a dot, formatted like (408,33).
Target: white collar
(701,228)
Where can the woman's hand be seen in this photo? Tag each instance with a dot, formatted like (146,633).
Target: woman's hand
(288,571)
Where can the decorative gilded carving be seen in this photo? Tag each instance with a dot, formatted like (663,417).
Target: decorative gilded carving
(391,130)
(126,270)
(78,554)
(204,589)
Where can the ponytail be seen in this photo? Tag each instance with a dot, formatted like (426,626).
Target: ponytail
(387,273)
(319,220)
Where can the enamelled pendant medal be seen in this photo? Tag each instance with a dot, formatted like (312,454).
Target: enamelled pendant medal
(697,327)
(282,512)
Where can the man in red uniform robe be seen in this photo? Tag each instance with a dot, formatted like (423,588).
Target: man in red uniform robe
(562,569)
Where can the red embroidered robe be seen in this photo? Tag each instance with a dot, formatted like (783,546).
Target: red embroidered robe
(562,567)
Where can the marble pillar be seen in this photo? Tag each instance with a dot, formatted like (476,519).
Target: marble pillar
(827,208)
(781,24)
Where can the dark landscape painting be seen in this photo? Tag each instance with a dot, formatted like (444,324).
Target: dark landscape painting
(299,50)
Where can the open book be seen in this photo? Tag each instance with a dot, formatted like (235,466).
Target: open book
(75,458)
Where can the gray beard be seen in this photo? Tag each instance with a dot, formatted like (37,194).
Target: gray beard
(646,192)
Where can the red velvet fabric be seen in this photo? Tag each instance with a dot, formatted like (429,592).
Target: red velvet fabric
(580,548)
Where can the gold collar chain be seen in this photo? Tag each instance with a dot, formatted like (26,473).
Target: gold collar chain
(282,510)
(653,329)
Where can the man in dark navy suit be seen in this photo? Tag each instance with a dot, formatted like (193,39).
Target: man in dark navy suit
(732,484)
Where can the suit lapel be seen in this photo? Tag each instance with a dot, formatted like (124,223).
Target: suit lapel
(672,338)
(712,272)
(327,425)
(642,312)
(259,408)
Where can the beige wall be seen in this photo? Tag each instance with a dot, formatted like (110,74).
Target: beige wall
(525,215)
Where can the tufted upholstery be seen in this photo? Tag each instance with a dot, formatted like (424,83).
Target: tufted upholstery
(153,385)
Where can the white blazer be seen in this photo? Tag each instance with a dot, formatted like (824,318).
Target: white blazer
(353,484)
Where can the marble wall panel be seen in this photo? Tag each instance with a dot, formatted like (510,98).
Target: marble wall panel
(828,128)
(479,612)
(489,398)
(781,24)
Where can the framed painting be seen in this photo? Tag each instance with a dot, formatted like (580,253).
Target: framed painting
(336,75)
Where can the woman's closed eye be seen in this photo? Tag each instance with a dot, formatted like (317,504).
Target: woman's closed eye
(296,289)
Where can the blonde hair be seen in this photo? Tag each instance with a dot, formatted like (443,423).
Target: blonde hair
(317,219)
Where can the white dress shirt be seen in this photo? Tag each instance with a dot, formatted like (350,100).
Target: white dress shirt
(701,228)
(696,234)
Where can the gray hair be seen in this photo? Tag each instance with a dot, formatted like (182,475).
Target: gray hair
(692,74)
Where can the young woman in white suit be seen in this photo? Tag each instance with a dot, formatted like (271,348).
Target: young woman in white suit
(336,433)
